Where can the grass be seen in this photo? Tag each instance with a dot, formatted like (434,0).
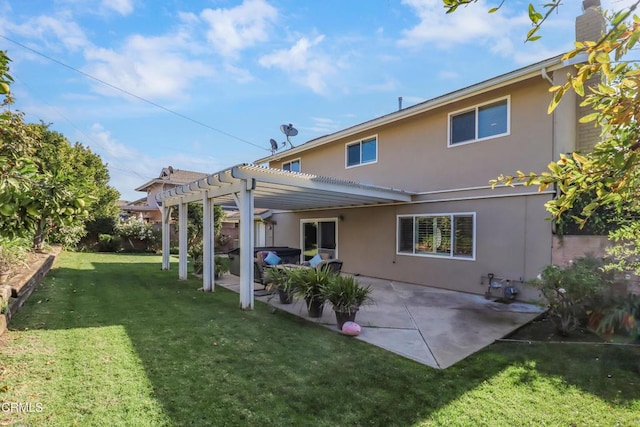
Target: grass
(111,340)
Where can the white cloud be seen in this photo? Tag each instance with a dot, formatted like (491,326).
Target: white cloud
(323,125)
(389,85)
(448,75)
(111,148)
(240,75)
(235,29)
(123,7)
(146,66)
(51,29)
(306,66)
(467,24)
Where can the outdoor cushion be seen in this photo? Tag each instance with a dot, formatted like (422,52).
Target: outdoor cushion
(272,259)
(313,262)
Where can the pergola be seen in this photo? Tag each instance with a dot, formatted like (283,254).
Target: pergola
(249,187)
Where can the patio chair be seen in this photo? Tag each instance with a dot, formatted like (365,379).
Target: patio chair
(333,265)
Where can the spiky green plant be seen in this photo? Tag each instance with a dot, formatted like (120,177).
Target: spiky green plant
(346,293)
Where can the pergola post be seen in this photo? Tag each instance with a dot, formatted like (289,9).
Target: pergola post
(166,237)
(182,240)
(208,271)
(245,197)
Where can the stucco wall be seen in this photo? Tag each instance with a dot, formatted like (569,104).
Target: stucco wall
(513,241)
(413,154)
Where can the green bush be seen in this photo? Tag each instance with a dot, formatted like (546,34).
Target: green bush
(68,235)
(222,264)
(574,292)
(104,225)
(109,243)
(133,231)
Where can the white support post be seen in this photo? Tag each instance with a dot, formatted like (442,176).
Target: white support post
(212,240)
(207,255)
(182,240)
(166,237)
(245,197)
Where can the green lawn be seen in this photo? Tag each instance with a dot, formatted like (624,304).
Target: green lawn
(111,340)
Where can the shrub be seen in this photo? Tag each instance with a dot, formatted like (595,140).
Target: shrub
(109,243)
(574,292)
(133,230)
(222,264)
(68,235)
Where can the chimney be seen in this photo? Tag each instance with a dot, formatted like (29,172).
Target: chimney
(590,26)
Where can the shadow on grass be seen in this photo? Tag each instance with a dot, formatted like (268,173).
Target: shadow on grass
(211,363)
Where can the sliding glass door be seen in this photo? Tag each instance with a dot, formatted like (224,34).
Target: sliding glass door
(319,236)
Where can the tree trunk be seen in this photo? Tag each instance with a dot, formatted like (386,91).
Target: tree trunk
(39,236)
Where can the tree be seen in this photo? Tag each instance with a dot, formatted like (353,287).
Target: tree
(72,186)
(610,172)
(44,181)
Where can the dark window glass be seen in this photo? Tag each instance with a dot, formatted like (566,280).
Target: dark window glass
(353,155)
(463,243)
(405,235)
(369,150)
(492,119)
(463,127)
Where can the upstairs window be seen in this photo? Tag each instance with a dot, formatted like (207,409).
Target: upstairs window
(362,152)
(483,121)
(293,165)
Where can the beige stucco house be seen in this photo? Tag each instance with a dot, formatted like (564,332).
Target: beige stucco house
(406,196)
(146,208)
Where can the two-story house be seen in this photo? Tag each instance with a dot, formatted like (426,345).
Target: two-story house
(406,196)
(146,208)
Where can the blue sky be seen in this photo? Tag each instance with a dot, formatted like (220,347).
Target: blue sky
(236,70)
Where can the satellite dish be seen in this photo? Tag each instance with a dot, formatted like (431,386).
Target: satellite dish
(289,130)
(274,145)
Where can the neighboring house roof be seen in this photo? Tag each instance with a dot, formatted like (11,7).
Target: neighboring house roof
(169,175)
(137,205)
(538,69)
(258,214)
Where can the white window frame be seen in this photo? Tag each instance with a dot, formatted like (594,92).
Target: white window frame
(290,162)
(359,142)
(476,109)
(435,255)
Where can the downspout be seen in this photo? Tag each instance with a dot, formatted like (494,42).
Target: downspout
(546,76)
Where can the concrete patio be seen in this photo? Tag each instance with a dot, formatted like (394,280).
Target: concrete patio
(435,327)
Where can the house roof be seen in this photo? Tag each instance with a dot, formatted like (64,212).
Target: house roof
(258,214)
(284,190)
(533,70)
(169,175)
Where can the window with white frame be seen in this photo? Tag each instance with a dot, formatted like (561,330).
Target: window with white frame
(293,165)
(483,121)
(362,152)
(441,235)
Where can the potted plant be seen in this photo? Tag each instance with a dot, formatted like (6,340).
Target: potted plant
(309,283)
(280,280)
(221,265)
(346,295)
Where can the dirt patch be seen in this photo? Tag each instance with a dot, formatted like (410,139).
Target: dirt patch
(542,329)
